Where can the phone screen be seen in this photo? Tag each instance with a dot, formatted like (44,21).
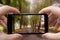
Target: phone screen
(27,23)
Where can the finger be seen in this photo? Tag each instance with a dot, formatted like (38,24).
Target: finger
(3,24)
(52,36)
(15,36)
(45,10)
(57,24)
(14,10)
(51,19)
(4,36)
(52,24)
(4,19)
(7,9)
(48,36)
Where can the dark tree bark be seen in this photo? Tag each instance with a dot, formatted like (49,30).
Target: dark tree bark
(21,20)
(39,26)
(7,2)
(20,5)
(1,2)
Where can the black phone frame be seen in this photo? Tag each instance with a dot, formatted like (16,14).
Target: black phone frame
(10,18)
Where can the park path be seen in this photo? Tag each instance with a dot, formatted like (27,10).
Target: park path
(32,37)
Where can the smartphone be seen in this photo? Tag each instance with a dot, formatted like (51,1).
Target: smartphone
(27,23)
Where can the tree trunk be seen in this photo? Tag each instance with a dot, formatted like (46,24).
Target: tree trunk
(1,2)
(39,27)
(19,1)
(7,2)
(21,20)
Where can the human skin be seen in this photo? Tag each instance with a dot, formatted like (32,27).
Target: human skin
(53,14)
(5,9)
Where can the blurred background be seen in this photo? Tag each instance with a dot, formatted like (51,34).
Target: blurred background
(28,6)
(32,7)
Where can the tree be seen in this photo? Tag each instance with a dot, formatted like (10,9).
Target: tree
(1,2)
(40,5)
(24,5)
(7,2)
(33,21)
(24,21)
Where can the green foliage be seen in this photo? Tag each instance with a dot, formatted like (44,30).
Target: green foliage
(25,21)
(41,6)
(16,18)
(14,3)
(22,19)
(34,20)
(4,1)
(24,5)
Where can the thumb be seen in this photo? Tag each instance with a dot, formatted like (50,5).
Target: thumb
(45,10)
(7,9)
(15,36)
(51,36)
